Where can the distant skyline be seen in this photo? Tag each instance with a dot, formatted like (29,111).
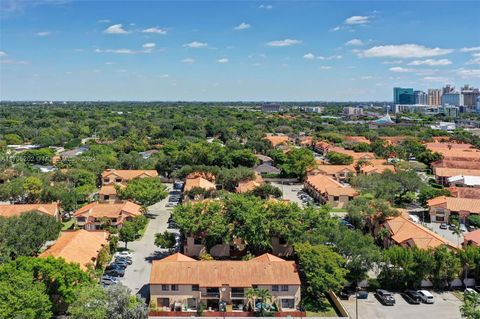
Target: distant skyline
(231,51)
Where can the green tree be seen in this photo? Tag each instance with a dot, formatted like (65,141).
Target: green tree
(336,158)
(447,267)
(127,233)
(298,162)
(471,305)
(165,240)
(324,269)
(122,304)
(90,303)
(266,191)
(145,191)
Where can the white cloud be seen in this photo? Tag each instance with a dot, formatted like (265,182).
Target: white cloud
(196,45)
(325,67)
(435,79)
(354,42)
(103,21)
(149,45)
(309,56)
(337,28)
(164,76)
(366,77)
(43,33)
(403,51)
(147,48)
(283,43)
(97,71)
(116,29)
(222,60)
(265,6)
(242,26)
(109,63)
(468,73)
(2,54)
(399,69)
(8,61)
(156,30)
(332,57)
(475,59)
(393,62)
(431,62)
(471,49)
(188,61)
(357,20)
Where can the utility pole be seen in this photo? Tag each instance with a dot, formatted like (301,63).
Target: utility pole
(356,302)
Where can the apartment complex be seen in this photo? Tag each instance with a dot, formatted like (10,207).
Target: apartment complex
(91,216)
(434,97)
(181,283)
(51,209)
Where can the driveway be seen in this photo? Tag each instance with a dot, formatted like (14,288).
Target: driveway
(445,233)
(446,306)
(144,250)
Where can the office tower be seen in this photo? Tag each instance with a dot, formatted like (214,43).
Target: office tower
(420,97)
(452,98)
(470,95)
(434,96)
(403,96)
(448,89)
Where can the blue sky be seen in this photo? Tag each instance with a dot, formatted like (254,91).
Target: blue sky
(226,50)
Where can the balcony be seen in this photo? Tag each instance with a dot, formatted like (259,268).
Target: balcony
(211,294)
(237,295)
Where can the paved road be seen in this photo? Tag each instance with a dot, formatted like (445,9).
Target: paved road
(144,250)
(446,306)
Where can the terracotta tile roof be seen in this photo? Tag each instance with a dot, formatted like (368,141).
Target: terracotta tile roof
(107,190)
(473,237)
(357,139)
(326,185)
(449,172)
(405,231)
(217,273)
(465,192)
(457,164)
(455,204)
(355,155)
(267,258)
(18,209)
(177,257)
(277,139)
(335,169)
(247,186)
(79,246)
(198,182)
(129,174)
(455,152)
(109,210)
(375,168)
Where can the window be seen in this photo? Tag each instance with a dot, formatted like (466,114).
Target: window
(254,286)
(174,287)
(118,180)
(195,287)
(284,287)
(350,198)
(288,303)
(197,241)
(80,219)
(165,288)
(163,302)
(106,197)
(335,198)
(275,288)
(106,180)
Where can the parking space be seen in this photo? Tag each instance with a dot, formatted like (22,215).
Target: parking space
(290,191)
(445,233)
(446,306)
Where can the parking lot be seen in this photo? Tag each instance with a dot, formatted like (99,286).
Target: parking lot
(446,306)
(445,233)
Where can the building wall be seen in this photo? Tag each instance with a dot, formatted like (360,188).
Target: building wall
(341,202)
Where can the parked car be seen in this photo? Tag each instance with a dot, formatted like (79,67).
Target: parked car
(443,226)
(121,264)
(129,261)
(452,227)
(471,291)
(109,280)
(171,224)
(115,272)
(385,297)
(463,228)
(124,254)
(426,296)
(362,294)
(412,297)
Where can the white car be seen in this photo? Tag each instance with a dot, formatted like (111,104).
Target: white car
(123,254)
(426,296)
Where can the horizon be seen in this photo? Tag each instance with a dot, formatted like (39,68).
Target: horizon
(205,51)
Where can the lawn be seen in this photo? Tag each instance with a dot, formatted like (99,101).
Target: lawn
(68,224)
(329,311)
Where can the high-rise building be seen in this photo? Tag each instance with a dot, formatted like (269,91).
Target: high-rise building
(403,96)
(434,97)
(478,105)
(470,96)
(420,97)
(271,108)
(352,111)
(448,89)
(452,98)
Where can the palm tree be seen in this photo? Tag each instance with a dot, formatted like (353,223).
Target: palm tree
(457,231)
(251,295)
(264,295)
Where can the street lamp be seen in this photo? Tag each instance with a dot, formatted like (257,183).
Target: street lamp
(357,289)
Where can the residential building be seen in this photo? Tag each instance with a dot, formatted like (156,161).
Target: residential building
(434,97)
(442,207)
(10,210)
(329,191)
(464,181)
(79,246)
(470,96)
(420,97)
(478,104)
(411,108)
(108,193)
(66,155)
(355,155)
(115,176)
(464,192)
(266,169)
(448,89)
(91,216)
(352,111)
(453,98)
(271,108)
(247,186)
(264,159)
(472,238)
(373,166)
(337,172)
(442,174)
(403,96)
(405,232)
(277,140)
(199,180)
(313,109)
(181,283)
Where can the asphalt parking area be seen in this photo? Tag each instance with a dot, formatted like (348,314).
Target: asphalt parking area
(446,306)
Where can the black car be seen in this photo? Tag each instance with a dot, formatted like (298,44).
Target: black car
(385,297)
(128,261)
(412,297)
(116,272)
